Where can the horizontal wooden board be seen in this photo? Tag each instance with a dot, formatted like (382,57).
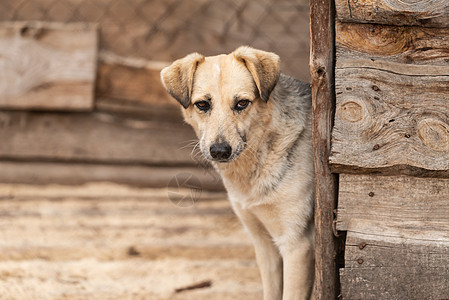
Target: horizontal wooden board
(378,269)
(79,173)
(407,45)
(133,81)
(47,65)
(397,241)
(77,242)
(95,137)
(392,87)
(401,199)
(70,216)
(136,109)
(395,12)
(162,30)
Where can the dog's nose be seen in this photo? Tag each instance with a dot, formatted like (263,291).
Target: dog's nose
(220,151)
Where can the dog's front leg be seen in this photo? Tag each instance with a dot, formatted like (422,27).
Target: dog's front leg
(270,266)
(298,270)
(268,257)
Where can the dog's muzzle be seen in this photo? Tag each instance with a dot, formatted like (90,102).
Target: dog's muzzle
(220,151)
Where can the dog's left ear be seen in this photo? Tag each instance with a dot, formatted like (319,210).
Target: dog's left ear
(177,78)
(263,66)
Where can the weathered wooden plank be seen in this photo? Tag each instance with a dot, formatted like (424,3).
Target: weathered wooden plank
(79,173)
(407,45)
(392,93)
(432,13)
(137,218)
(137,109)
(326,284)
(377,267)
(397,244)
(136,81)
(162,30)
(47,65)
(405,199)
(94,137)
(75,242)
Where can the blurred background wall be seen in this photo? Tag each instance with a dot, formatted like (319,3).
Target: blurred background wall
(81,98)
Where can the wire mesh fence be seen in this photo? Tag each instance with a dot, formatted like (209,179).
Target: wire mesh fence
(163,30)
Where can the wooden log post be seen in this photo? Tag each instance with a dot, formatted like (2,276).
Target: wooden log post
(322,55)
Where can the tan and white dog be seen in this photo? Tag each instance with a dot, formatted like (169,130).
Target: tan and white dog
(254,124)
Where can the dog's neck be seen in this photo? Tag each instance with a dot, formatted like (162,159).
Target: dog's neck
(261,163)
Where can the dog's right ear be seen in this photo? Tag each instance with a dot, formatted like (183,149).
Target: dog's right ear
(177,78)
(263,66)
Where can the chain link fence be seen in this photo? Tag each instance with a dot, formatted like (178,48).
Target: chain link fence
(163,30)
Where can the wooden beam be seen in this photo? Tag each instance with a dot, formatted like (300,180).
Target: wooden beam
(66,173)
(95,138)
(394,12)
(133,81)
(112,222)
(399,44)
(376,268)
(392,113)
(393,199)
(326,285)
(47,65)
(397,244)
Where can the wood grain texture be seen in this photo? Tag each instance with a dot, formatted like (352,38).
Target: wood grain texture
(379,269)
(392,90)
(41,173)
(135,81)
(77,242)
(397,244)
(137,109)
(103,210)
(410,200)
(431,13)
(322,73)
(162,30)
(47,65)
(96,137)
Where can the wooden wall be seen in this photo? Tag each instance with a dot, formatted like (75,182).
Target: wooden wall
(80,91)
(390,144)
(70,114)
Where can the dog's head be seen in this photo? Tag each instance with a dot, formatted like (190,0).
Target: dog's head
(224,97)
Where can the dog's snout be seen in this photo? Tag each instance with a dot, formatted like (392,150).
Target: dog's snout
(220,151)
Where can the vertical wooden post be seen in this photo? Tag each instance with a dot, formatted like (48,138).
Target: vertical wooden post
(323,99)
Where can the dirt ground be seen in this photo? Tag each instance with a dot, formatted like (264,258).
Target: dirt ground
(106,241)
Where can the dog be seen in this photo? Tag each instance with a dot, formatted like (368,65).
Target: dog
(254,124)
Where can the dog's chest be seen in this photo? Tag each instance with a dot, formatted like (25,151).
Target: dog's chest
(251,193)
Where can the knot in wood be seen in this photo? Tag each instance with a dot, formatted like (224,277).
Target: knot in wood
(434,134)
(320,72)
(373,39)
(418,6)
(31,31)
(351,111)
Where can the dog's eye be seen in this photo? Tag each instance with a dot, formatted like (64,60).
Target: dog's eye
(242,104)
(203,105)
